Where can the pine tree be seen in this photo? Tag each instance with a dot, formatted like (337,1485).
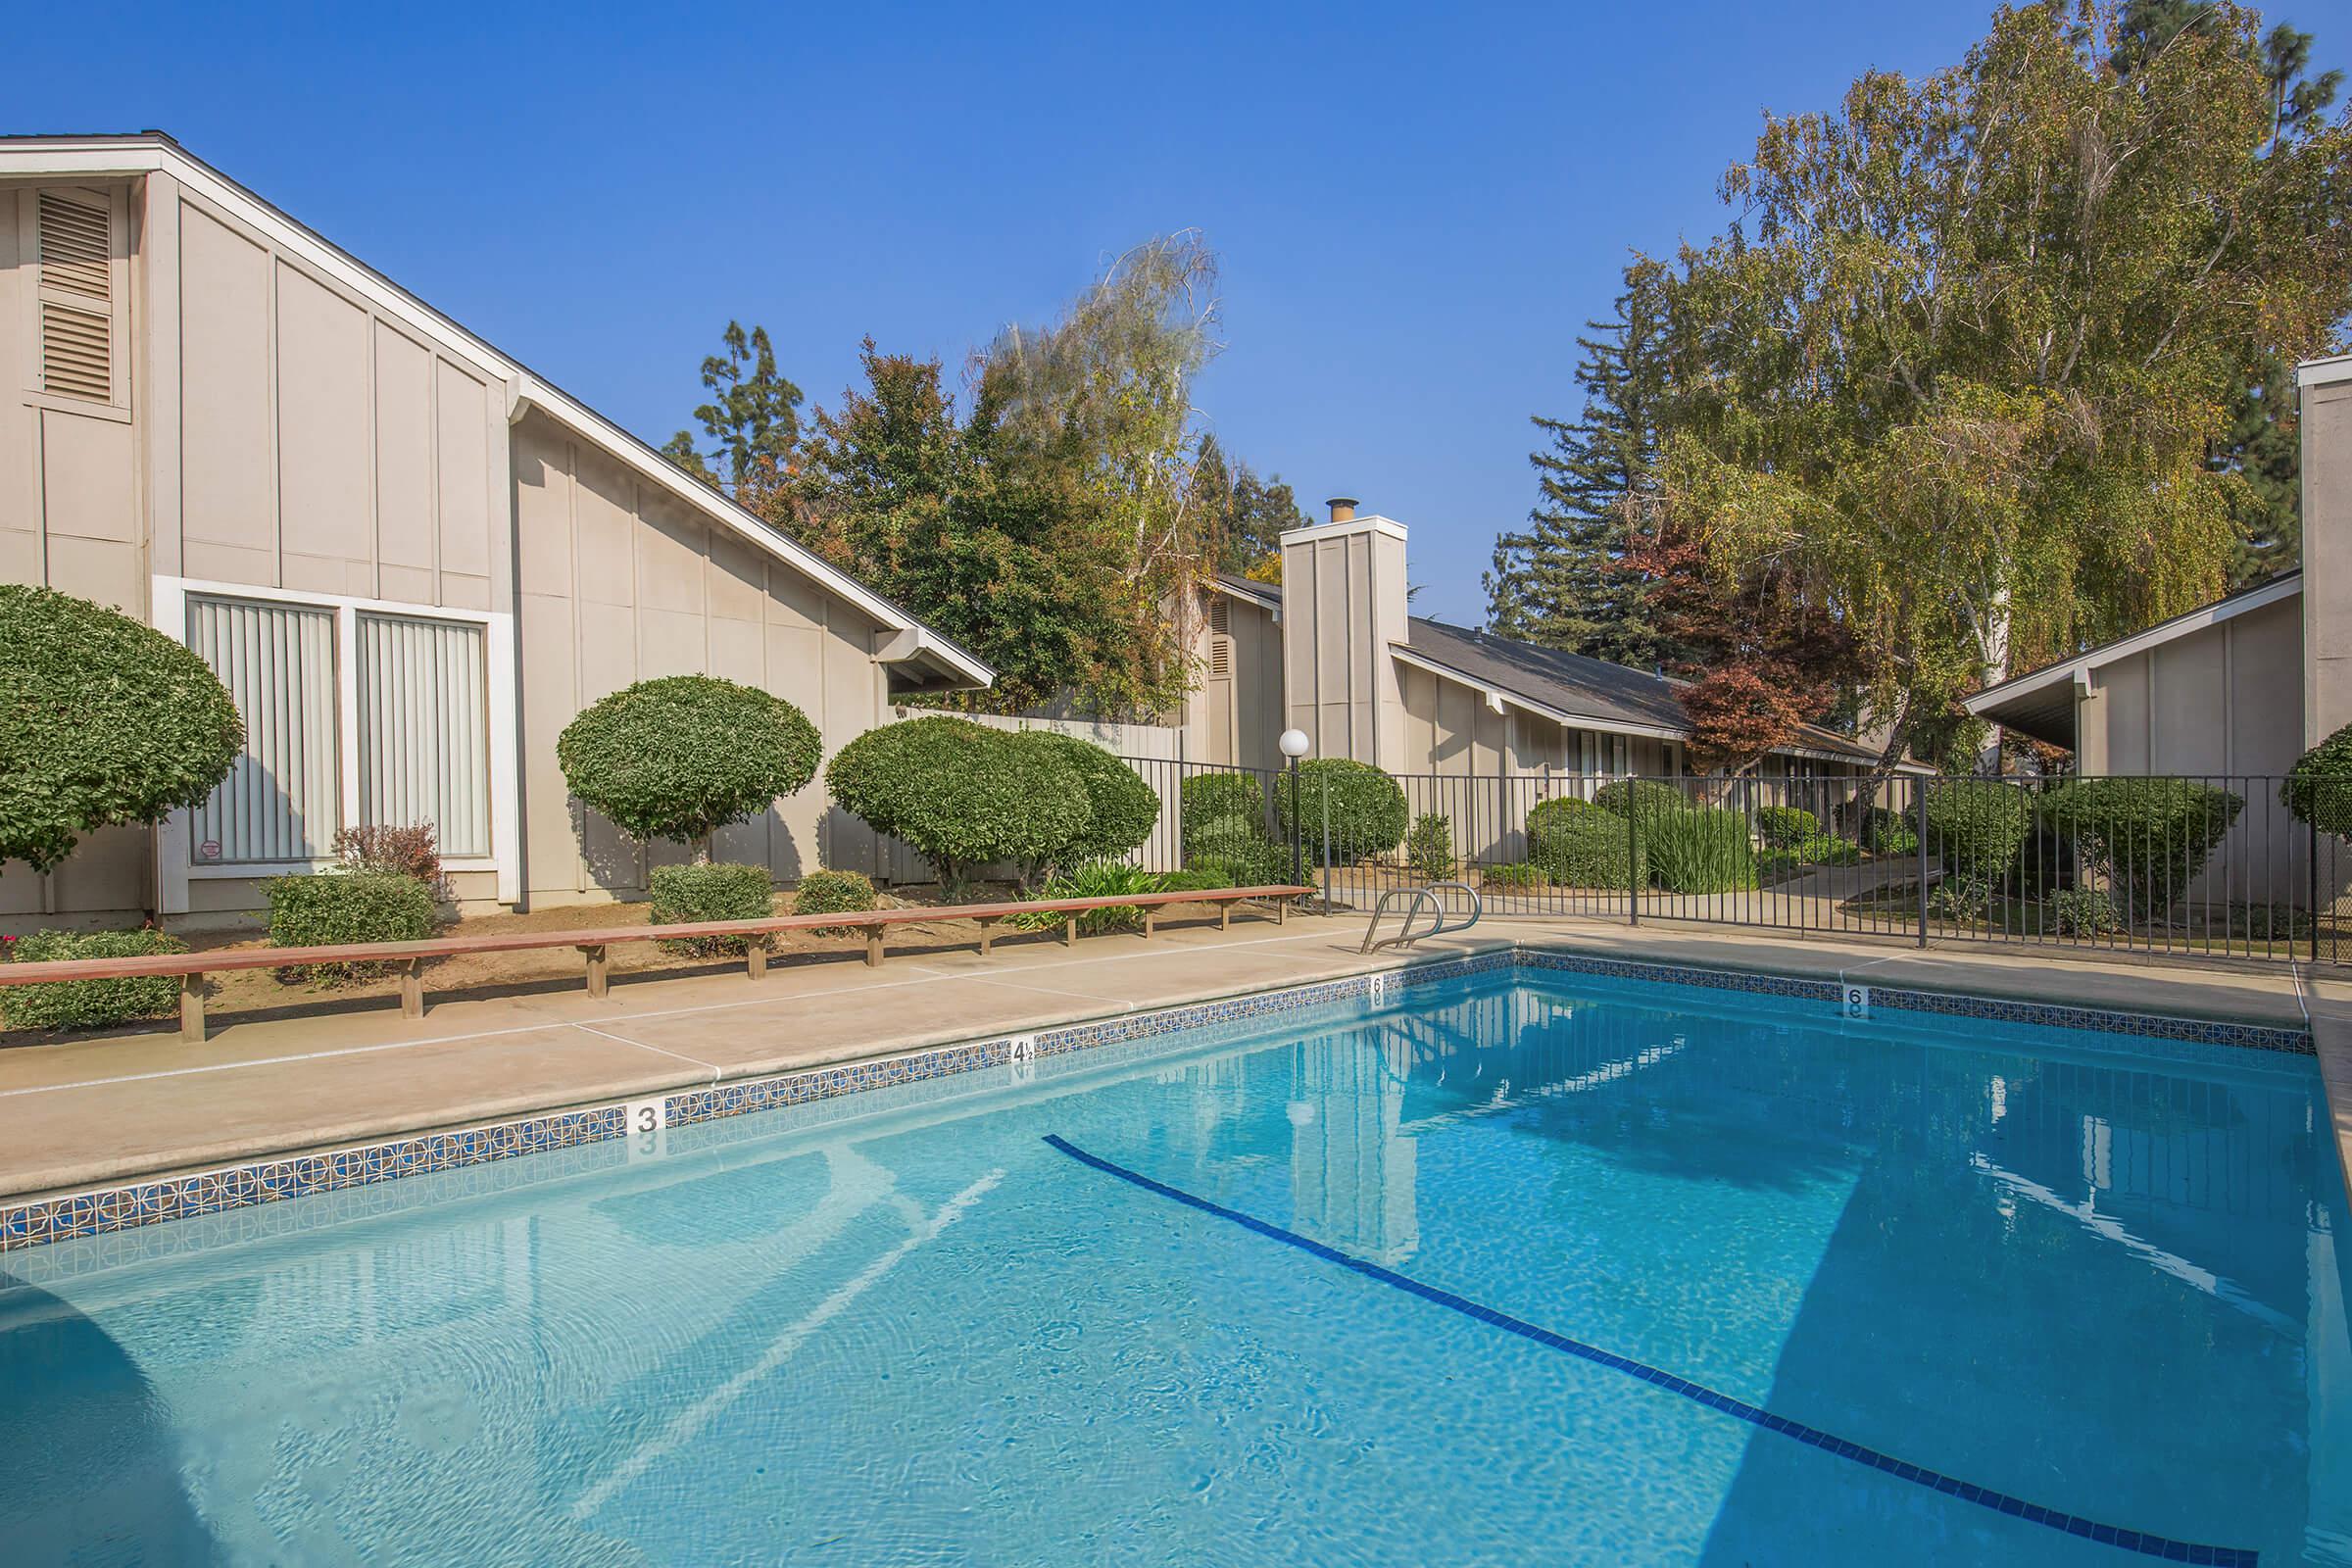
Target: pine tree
(1250,513)
(755,418)
(1562,581)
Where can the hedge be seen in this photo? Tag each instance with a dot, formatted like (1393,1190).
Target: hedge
(1123,808)
(685,894)
(1702,851)
(1348,811)
(2317,789)
(1977,825)
(103,721)
(1784,827)
(682,756)
(1579,843)
(833,893)
(2149,836)
(89,1003)
(337,906)
(963,795)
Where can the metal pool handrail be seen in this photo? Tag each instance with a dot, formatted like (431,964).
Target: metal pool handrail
(1419,898)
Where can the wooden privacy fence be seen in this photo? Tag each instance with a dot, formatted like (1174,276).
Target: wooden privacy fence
(594,945)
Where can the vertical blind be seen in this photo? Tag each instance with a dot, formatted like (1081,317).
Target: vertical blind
(424,729)
(280,801)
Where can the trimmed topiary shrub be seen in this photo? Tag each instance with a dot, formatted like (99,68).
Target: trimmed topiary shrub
(1782,827)
(834,892)
(683,895)
(1645,795)
(684,755)
(1123,808)
(89,1003)
(2149,836)
(1702,851)
(103,722)
(2317,789)
(338,907)
(1362,808)
(1429,847)
(1580,845)
(963,795)
(1978,826)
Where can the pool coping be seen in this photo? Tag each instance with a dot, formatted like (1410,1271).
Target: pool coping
(131,1204)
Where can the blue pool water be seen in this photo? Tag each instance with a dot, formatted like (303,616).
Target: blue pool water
(1527,1268)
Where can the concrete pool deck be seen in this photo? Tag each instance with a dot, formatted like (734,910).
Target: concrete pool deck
(94,1111)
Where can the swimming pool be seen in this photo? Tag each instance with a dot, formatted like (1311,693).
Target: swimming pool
(1517,1267)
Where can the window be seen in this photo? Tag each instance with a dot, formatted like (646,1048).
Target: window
(280,801)
(424,729)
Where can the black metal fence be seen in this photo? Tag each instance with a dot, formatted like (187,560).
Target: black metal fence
(2211,865)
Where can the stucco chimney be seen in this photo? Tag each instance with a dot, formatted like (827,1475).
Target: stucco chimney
(1342,509)
(1342,612)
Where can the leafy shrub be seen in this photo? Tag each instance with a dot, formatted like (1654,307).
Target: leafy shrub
(1580,845)
(411,851)
(1782,827)
(89,1003)
(1978,826)
(1820,850)
(963,795)
(1646,796)
(2317,789)
(1773,864)
(103,721)
(1361,808)
(1123,808)
(681,756)
(1885,832)
(1195,879)
(1096,879)
(1256,865)
(2149,836)
(1963,898)
(1702,851)
(2084,912)
(683,895)
(1429,847)
(1517,874)
(338,907)
(833,893)
(1216,797)
(2271,923)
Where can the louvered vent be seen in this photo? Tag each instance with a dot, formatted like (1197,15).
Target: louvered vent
(73,246)
(1220,615)
(77,351)
(1220,656)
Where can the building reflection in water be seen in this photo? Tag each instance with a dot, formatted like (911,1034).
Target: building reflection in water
(1352,1170)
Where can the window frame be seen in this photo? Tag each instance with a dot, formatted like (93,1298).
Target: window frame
(176,867)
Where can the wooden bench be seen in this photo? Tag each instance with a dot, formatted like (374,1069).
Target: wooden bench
(409,957)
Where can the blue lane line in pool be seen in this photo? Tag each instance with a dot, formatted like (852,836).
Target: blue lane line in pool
(2001,1503)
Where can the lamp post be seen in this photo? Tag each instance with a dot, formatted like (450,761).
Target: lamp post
(1294,744)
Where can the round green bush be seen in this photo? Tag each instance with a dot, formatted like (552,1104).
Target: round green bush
(1784,827)
(685,894)
(1123,808)
(1579,843)
(2149,836)
(2317,789)
(89,1003)
(963,795)
(103,722)
(682,756)
(1362,807)
(833,893)
(1978,826)
(339,907)
(1221,799)
(1644,795)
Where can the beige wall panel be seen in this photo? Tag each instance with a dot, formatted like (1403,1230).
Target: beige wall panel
(101,570)
(404,460)
(462,419)
(2265,650)
(410,586)
(739,652)
(21,557)
(324,442)
(608,649)
(318,574)
(460,592)
(2191,711)
(738,578)
(543,507)
(214,562)
(670,642)
(604,531)
(850,709)
(2327,435)
(86,470)
(545,633)
(670,557)
(109,869)
(2122,711)
(225,460)
(792,600)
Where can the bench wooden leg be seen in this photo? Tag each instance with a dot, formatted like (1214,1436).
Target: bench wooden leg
(988,933)
(1069,932)
(191,1008)
(1281,912)
(1225,914)
(1151,923)
(412,989)
(598,975)
(873,947)
(754,961)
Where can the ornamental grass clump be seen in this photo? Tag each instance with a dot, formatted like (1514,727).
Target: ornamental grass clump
(89,1003)
(1700,851)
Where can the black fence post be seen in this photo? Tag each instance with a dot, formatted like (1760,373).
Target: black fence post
(1920,787)
(2312,910)
(1633,857)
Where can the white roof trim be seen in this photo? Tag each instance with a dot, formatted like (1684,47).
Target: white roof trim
(1362,523)
(1235,590)
(2080,667)
(2322,372)
(105,157)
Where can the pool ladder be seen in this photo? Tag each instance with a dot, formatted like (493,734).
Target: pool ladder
(1417,899)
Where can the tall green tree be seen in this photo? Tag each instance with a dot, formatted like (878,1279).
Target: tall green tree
(1565,581)
(754,416)
(1248,514)
(2261,444)
(1957,366)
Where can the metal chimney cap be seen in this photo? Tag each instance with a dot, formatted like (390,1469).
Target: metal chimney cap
(1342,509)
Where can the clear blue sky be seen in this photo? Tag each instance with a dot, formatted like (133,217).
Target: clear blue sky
(1416,208)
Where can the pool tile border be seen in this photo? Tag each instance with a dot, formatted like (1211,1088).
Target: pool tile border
(108,1210)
